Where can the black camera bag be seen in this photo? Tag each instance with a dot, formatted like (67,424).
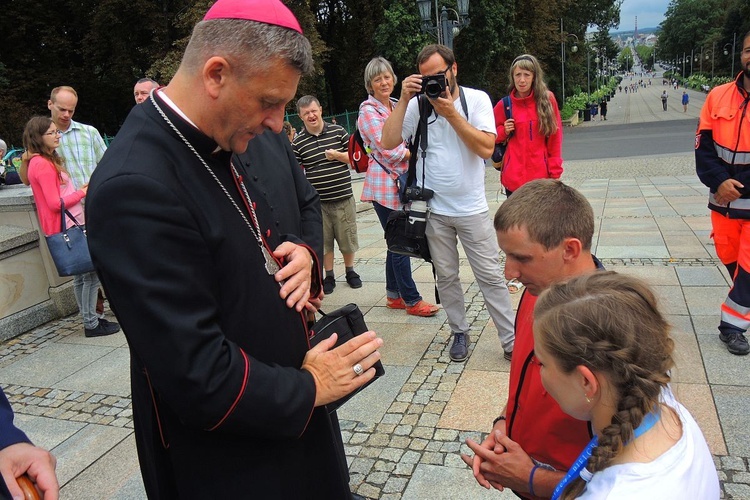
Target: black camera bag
(397,240)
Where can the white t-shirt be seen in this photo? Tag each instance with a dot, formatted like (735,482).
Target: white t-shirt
(686,470)
(454,172)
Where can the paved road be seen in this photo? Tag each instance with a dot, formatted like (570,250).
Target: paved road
(403,435)
(623,140)
(637,125)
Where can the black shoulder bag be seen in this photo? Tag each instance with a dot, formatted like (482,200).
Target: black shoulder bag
(347,322)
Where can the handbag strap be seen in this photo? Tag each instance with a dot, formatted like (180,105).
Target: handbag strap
(63,212)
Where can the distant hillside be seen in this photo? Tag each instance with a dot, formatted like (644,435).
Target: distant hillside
(640,30)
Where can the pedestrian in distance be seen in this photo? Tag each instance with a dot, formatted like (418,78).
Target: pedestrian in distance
(534,131)
(606,355)
(722,164)
(385,165)
(51,184)
(321,149)
(664,98)
(685,101)
(603,109)
(228,396)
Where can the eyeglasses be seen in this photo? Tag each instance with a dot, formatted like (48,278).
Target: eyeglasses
(56,132)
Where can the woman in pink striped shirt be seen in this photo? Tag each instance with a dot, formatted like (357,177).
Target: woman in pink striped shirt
(380,186)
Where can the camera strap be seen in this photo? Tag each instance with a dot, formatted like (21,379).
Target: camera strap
(421,141)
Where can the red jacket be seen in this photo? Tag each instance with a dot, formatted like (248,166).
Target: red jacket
(530,155)
(534,419)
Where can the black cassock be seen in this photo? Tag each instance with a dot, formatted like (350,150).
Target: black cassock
(221,408)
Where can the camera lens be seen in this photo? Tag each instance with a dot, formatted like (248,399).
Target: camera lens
(433,89)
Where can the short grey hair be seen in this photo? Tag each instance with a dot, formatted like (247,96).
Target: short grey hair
(305,101)
(153,82)
(247,44)
(3,148)
(377,66)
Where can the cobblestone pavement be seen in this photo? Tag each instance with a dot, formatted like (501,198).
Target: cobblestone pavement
(403,435)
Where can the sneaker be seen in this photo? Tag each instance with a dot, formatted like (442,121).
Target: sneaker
(736,343)
(508,355)
(423,309)
(395,303)
(460,348)
(329,283)
(102,329)
(353,279)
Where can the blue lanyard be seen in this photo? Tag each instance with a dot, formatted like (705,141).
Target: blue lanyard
(579,466)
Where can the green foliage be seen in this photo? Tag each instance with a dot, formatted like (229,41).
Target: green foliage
(578,101)
(700,28)
(567,111)
(101,47)
(399,38)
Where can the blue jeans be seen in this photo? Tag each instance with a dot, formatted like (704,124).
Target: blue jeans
(86,288)
(398,280)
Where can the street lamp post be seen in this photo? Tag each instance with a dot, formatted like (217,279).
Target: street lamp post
(684,59)
(445,28)
(691,61)
(588,71)
(726,52)
(596,60)
(563,38)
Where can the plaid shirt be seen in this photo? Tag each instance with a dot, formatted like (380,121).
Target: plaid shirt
(379,186)
(81,146)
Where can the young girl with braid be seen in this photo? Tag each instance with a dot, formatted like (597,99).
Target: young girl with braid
(606,352)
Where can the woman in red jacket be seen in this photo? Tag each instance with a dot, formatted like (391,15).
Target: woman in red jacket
(51,185)
(534,127)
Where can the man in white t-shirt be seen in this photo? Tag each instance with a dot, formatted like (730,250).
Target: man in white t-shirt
(461,136)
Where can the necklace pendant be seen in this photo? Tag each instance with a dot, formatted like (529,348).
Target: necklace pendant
(272,267)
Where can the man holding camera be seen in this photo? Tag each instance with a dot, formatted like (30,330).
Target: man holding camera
(460,137)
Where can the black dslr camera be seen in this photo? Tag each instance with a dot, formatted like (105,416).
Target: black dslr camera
(434,85)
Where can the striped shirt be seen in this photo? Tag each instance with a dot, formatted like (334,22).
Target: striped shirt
(81,146)
(330,178)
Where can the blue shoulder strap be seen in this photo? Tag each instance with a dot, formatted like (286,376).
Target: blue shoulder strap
(508,104)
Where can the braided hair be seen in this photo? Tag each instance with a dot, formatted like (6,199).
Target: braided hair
(609,323)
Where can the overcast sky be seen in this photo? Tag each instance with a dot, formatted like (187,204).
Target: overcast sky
(650,13)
